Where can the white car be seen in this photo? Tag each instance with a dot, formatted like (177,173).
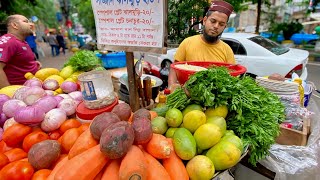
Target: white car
(261,56)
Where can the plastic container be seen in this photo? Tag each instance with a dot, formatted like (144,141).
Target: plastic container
(97,89)
(86,115)
(183,75)
(113,60)
(307,94)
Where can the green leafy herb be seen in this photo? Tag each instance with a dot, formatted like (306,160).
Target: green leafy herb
(178,99)
(84,60)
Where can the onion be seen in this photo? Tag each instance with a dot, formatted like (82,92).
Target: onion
(68,86)
(3,119)
(49,92)
(33,82)
(11,106)
(33,94)
(68,105)
(29,115)
(50,84)
(58,98)
(53,119)
(19,94)
(8,123)
(65,96)
(46,103)
(3,98)
(1,133)
(76,95)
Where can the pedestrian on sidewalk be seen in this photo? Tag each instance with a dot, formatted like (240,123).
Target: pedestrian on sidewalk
(61,42)
(16,56)
(52,39)
(31,40)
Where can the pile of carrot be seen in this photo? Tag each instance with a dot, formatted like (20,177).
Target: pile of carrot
(81,158)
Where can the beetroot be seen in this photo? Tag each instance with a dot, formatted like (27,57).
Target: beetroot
(116,139)
(142,130)
(141,113)
(123,110)
(101,122)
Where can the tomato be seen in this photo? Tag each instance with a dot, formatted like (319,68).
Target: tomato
(55,135)
(68,124)
(15,134)
(15,154)
(17,170)
(3,160)
(4,147)
(33,138)
(41,174)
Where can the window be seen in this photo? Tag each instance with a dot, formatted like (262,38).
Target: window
(236,47)
(275,48)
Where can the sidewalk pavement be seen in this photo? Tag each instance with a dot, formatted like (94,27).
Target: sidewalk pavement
(53,62)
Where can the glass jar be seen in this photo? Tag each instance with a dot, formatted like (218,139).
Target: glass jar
(97,89)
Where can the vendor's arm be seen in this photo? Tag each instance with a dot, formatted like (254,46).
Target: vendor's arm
(3,80)
(179,56)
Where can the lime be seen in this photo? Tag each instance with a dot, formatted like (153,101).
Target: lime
(234,140)
(159,125)
(219,121)
(190,108)
(170,132)
(194,119)
(174,117)
(207,135)
(219,111)
(200,167)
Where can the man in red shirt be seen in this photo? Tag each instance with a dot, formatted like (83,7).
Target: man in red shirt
(16,56)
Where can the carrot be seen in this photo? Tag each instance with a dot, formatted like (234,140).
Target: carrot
(158,146)
(155,170)
(84,127)
(84,142)
(57,168)
(153,114)
(99,175)
(174,164)
(61,157)
(133,165)
(83,166)
(112,170)
(69,138)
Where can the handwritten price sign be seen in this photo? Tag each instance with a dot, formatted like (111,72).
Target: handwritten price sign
(130,24)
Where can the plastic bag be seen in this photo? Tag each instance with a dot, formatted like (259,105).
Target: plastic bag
(298,162)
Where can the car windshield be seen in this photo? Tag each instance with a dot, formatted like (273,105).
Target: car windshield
(272,46)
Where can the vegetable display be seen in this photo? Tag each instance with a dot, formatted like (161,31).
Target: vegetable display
(255,113)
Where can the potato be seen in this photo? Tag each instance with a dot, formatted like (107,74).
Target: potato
(43,154)
(116,140)
(142,130)
(123,110)
(141,113)
(101,122)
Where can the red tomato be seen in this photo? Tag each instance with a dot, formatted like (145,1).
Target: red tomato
(17,170)
(41,174)
(33,138)
(68,124)
(55,135)
(15,134)
(4,147)
(15,154)
(3,160)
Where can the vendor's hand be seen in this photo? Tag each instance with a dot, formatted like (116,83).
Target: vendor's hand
(39,65)
(174,86)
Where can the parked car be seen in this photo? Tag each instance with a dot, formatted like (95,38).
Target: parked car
(297,38)
(259,55)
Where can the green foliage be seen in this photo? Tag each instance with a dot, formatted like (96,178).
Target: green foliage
(287,28)
(43,9)
(85,14)
(84,60)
